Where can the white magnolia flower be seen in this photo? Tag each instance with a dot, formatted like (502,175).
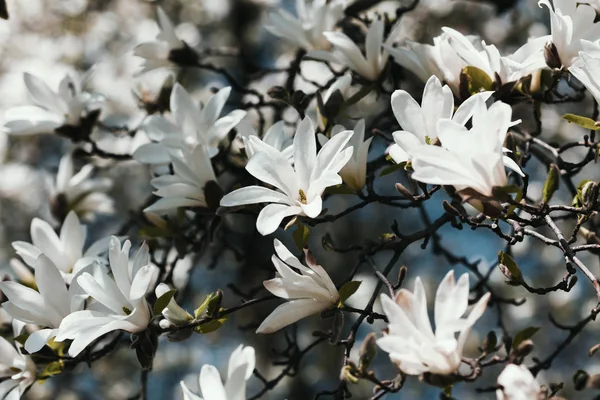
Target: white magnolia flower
(347,53)
(80,192)
(308,292)
(276,137)
(572,25)
(420,123)
(587,70)
(186,187)
(167,50)
(195,125)
(354,173)
(65,251)
(17,371)
(239,370)
(173,313)
(120,302)
(411,342)
(306,30)
(46,307)
(468,158)
(64,110)
(517,383)
(299,187)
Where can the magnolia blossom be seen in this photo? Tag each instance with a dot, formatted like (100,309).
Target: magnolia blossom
(46,307)
(17,371)
(65,251)
(354,172)
(308,292)
(420,123)
(410,340)
(347,53)
(195,125)
(587,70)
(517,383)
(120,302)
(306,30)
(469,158)
(299,187)
(276,137)
(173,313)
(239,370)
(79,192)
(167,50)
(573,28)
(187,186)
(53,111)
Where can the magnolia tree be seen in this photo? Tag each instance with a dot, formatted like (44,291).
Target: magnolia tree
(322,193)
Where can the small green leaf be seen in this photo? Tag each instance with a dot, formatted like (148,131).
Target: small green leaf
(54,368)
(214,303)
(300,236)
(22,338)
(551,184)
(198,311)
(511,265)
(211,326)
(163,301)
(340,189)
(348,289)
(524,335)
(474,80)
(391,169)
(584,122)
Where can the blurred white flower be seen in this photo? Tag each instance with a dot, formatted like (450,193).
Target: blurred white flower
(120,302)
(354,173)
(64,112)
(195,125)
(17,371)
(308,292)
(173,313)
(239,370)
(410,340)
(46,307)
(572,25)
(79,192)
(276,137)
(587,70)
(347,53)
(300,187)
(517,383)
(167,50)
(64,251)
(306,30)
(420,123)
(187,187)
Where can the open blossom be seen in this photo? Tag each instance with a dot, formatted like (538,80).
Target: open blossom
(573,28)
(468,158)
(239,370)
(308,292)
(188,184)
(80,192)
(420,123)
(173,313)
(276,137)
(346,52)
(587,70)
(354,173)
(517,383)
(410,340)
(63,112)
(306,30)
(167,50)
(17,371)
(46,307)
(299,187)
(120,302)
(65,251)
(194,125)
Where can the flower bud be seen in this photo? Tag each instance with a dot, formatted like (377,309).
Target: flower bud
(551,56)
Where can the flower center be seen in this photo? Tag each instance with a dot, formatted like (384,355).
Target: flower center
(302,196)
(126,310)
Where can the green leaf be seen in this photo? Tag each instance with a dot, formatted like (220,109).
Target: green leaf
(214,303)
(340,189)
(474,80)
(348,289)
(511,265)
(391,169)
(54,368)
(300,236)
(524,335)
(551,184)
(211,326)
(198,311)
(584,122)
(22,338)
(163,301)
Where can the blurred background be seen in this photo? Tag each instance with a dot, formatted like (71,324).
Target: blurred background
(51,38)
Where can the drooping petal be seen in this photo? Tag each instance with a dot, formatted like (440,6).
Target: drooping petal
(288,313)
